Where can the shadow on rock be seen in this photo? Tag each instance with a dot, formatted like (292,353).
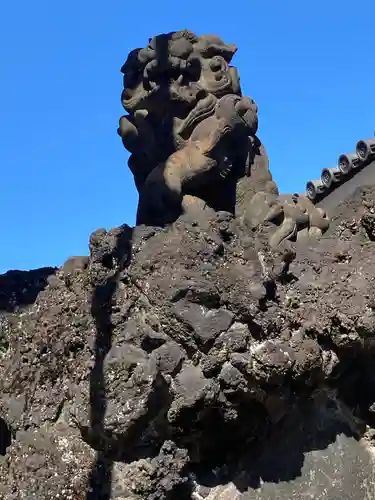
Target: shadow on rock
(109,262)
(21,288)
(159,216)
(5,437)
(315,449)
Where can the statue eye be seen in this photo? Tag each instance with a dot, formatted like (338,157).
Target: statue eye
(216,64)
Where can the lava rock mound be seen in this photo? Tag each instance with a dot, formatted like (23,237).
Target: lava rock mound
(167,363)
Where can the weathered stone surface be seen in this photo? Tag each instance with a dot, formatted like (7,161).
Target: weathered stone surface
(207,323)
(165,476)
(165,366)
(197,359)
(169,358)
(136,395)
(192,138)
(317,455)
(52,461)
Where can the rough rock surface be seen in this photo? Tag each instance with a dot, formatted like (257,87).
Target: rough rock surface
(212,358)
(190,361)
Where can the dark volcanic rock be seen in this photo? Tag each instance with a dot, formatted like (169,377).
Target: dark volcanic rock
(50,462)
(224,355)
(20,288)
(316,453)
(149,367)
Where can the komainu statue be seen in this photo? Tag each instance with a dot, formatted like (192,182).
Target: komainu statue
(192,138)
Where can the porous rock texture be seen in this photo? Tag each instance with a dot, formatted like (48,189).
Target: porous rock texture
(192,362)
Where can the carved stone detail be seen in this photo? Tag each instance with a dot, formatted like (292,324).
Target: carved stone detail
(192,137)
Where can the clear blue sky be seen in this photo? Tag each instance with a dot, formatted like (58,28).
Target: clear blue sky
(309,65)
